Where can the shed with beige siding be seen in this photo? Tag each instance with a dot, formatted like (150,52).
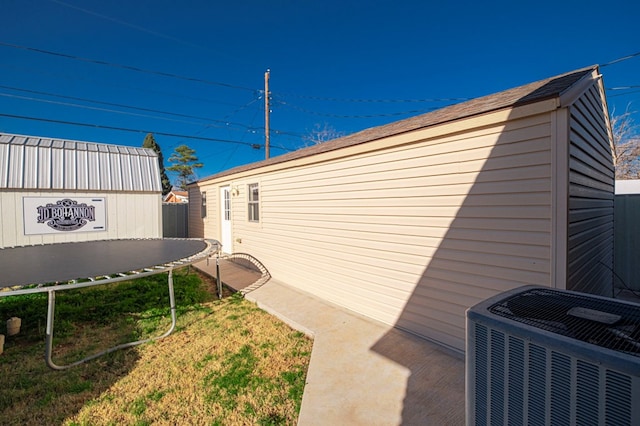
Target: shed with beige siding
(413,222)
(55,190)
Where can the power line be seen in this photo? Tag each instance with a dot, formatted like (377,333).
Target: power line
(199,80)
(68,104)
(225,123)
(126,67)
(624,58)
(392,114)
(125,129)
(199,132)
(75,98)
(235,149)
(331,99)
(623,88)
(121,86)
(126,24)
(216,83)
(138,27)
(623,94)
(355,100)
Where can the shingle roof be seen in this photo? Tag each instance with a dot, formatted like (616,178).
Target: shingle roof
(30,162)
(529,93)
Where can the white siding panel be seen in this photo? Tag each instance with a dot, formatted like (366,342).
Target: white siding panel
(3,234)
(5,172)
(122,212)
(411,235)
(117,171)
(152,170)
(105,179)
(16,166)
(9,214)
(48,168)
(125,169)
(44,168)
(144,171)
(69,161)
(149,167)
(30,174)
(129,215)
(57,168)
(82,168)
(136,173)
(93,169)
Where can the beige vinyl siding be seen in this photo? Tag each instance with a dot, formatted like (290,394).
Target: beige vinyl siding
(411,235)
(211,222)
(129,215)
(591,183)
(208,226)
(196,222)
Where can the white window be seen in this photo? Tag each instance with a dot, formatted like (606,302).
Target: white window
(253,203)
(203,212)
(227,205)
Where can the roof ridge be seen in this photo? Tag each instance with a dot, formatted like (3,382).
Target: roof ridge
(536,91)
(9,138)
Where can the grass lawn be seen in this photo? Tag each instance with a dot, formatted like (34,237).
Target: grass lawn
(227,363)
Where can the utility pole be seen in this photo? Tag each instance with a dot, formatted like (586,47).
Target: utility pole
(266,114)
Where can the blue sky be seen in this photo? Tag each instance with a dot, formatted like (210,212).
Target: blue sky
(195,69)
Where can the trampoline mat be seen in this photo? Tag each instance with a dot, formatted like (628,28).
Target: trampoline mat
(68,261)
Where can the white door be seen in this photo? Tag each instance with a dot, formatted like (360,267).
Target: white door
(225,219)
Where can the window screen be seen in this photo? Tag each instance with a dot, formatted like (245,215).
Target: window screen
(253,204)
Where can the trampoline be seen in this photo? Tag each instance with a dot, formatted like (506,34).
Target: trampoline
(56,267)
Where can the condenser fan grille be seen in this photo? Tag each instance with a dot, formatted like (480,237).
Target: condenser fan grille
(608,324)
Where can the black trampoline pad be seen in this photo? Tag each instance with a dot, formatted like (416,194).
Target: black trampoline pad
(67,261)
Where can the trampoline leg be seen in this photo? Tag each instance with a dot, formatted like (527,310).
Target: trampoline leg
(49,330)
(218,280)
(49,337)
(172,306)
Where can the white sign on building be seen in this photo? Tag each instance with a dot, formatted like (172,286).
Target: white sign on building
(48,215)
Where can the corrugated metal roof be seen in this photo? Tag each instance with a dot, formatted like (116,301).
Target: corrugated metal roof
(529,93)
(30,162)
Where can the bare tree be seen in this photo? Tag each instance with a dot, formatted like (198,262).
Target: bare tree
(626,146)
(321,134)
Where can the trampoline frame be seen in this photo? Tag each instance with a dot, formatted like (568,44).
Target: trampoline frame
(212,247)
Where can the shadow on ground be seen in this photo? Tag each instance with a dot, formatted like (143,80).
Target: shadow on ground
(493,241)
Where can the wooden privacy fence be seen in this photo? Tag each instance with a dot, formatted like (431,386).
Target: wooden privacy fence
(627,240)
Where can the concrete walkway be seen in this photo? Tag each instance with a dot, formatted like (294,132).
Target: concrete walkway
(363,372)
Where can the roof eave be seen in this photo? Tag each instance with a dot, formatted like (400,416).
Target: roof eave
(562,87)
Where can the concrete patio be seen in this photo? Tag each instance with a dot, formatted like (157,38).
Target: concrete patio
(362,372)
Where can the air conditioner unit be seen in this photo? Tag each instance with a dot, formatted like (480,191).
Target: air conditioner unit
(539,356)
